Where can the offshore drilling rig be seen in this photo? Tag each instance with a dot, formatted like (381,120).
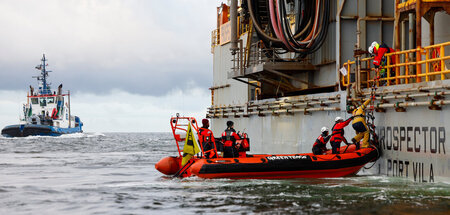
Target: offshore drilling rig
(285,68)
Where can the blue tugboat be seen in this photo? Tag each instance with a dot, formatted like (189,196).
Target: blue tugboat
(47,112)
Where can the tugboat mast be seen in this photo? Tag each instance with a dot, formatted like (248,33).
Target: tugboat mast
(45,88)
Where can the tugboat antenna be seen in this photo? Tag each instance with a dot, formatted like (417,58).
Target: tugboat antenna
(45,88)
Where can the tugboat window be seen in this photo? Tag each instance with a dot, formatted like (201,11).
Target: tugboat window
(43,101)
(51,100)
(34,101)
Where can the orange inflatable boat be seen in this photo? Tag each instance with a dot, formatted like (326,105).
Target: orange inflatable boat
(268,166)
(285,165)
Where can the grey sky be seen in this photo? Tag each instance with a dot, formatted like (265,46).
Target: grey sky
(130,64)
(139,46)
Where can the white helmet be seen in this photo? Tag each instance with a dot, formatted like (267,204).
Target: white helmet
(338,119)
(374,44)
(324,129)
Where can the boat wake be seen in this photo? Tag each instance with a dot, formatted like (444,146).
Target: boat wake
(82,135)
(64,136)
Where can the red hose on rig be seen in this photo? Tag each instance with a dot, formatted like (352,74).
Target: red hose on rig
(273,20)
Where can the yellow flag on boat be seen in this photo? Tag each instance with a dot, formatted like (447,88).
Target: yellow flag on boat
(190,145)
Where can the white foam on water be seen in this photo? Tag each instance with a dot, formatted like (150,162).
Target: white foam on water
(64,136)
(81,135)
(316,205)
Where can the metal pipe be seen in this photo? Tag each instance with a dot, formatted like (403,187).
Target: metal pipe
(70,116)
(414,104)
(407,96)
(294,110)
(338,39)
(301,104)
(368,18)
(392,105)
(409,89)
(412,33)
(329,99)
(397,25)
(270,107)
(279,111)
(418,25)
(358,46)
(413,95)
(432,28)
(305,100)
(241,55)
(233,20)
(402,47)
(314,99)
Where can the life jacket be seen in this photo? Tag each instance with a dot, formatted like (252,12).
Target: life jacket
(206,138)
(381,51)
(228,137)
(205,135)
(359,113)
(338,130)
(320,142)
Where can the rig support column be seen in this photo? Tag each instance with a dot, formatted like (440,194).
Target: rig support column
(233,20)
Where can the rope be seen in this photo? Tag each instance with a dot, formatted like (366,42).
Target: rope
(376,148)
(370,117)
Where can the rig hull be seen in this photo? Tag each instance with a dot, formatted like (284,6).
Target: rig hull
(415,143)
(283,105)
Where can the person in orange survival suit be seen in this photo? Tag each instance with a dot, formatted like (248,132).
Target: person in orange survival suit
(337,135)
(319,146)
(229,137)
(206,139)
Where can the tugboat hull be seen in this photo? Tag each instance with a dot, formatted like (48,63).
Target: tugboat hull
(23,130)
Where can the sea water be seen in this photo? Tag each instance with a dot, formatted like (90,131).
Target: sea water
(114,173)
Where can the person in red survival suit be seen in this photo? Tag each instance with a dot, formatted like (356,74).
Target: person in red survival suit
(337,135)
(379,61)
(319,146)
(229,137)
(206,139)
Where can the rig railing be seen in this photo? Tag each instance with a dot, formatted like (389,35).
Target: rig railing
(243,28)
(257,54)
(405,69)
